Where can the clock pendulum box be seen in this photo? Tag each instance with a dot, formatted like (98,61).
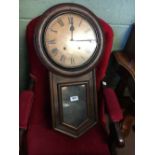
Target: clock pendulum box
(69,41)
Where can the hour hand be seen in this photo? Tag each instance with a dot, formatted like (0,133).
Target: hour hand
(71,27)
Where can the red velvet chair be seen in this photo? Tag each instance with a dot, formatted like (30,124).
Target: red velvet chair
(35,118)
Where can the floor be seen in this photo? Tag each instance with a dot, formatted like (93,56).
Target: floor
(129,148)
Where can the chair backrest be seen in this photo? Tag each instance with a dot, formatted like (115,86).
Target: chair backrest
(40,74)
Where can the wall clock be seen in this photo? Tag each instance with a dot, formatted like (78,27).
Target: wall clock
(69,41)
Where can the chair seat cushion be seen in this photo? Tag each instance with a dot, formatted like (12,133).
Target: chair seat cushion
(46,141)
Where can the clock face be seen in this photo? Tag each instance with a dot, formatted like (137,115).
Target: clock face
(70,40)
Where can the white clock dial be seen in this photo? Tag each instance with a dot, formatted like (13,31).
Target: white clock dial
(70,40)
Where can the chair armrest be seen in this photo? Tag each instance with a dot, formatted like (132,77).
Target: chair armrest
(116,134)
(115,113)
(112,104)
(25,105)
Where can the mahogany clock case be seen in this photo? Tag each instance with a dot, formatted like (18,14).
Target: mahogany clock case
(71,118)
(51,13)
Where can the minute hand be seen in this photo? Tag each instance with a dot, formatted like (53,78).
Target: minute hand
(86,40)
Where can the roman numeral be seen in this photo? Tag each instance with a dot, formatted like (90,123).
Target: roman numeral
(70,20)
(51,42)
(53,30)
(55,51)
(80,22)
(60,22)
(87,51)
(62,59)
(82,58)
(72,60)
(86,31)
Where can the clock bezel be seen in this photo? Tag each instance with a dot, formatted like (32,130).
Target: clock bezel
(45,47)
(39,38)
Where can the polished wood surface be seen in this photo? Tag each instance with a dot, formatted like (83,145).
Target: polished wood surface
(125,62)
(126,71)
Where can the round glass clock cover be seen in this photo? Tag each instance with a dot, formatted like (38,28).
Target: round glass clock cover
(70,40)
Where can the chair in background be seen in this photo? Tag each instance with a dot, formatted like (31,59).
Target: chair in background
(124,62)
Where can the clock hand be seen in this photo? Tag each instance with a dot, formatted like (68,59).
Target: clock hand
(72,27)
(86,40)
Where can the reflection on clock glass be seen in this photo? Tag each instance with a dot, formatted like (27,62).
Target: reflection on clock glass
(70,40)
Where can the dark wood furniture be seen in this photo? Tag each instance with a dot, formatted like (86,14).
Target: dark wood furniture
(124,62)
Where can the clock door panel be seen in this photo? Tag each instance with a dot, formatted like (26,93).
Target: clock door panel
(74,106)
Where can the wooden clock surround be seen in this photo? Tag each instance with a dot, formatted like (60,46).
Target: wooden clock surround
(73,90)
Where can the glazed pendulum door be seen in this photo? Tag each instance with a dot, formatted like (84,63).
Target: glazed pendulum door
(74,106)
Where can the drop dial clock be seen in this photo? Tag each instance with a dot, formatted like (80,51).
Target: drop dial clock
(69,41)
